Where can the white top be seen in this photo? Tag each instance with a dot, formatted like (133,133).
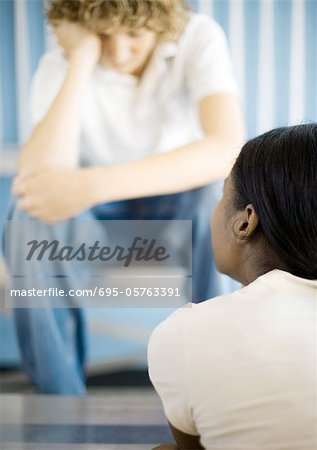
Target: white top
(240,370)
(125,118)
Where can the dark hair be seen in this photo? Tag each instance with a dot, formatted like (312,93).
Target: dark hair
(277,173)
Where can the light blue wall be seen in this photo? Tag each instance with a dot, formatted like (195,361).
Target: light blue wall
(311,59)
(7,74)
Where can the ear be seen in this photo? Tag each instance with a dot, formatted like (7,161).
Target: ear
(246,223)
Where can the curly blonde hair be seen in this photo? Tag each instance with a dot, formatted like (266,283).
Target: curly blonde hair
(165,17)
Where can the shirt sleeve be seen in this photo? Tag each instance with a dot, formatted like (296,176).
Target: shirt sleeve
(46,83)
(208,66)
(168,372)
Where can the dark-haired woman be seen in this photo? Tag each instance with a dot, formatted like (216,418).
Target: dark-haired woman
(252,385)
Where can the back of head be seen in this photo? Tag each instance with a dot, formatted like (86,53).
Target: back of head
(277,173)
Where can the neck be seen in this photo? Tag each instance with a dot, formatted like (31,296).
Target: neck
(258,259)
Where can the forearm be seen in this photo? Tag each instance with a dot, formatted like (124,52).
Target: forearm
(55,140)
(189,167)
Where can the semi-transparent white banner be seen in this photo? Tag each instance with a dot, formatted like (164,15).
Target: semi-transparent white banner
(94,263)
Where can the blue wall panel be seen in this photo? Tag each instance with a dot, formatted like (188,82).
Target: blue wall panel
(221,13)
(251,72)
(282,39)
(8,74)
(311,61)
(35,10)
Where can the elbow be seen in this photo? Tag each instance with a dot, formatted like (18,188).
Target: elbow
(230,150)
(221,152)
(230,142)
(236,138)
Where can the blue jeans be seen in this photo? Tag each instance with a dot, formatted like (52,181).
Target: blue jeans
(53,340)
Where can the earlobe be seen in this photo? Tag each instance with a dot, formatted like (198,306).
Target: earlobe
(245,226)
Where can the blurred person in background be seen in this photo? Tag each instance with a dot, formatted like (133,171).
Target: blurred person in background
(136,115)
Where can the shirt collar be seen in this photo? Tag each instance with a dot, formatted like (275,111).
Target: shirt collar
(276,276)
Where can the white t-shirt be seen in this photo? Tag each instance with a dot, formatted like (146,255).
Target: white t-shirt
(125,118)
(240,370)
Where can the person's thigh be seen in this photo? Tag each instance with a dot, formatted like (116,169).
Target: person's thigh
(122,210)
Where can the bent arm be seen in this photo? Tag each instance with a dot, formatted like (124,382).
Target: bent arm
(55,139)
(192,166)
(189,167)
